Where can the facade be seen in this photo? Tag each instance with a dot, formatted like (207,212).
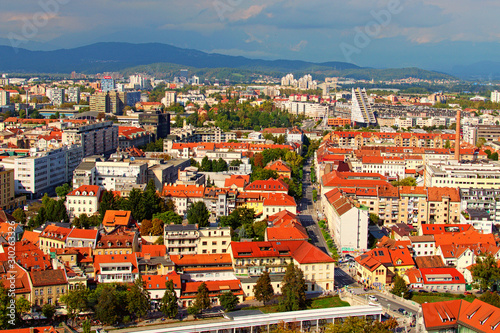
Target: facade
(83,200)
(347,223)
(4,97)
(250,259)
(107,84)
(156,123)
(74,95)
(48,286)
(486,199)
(100,138)
(43,171)
(7,188)
(361,110)
(462,175)
(190,239)
(58,96)
(472,133)
(115,268)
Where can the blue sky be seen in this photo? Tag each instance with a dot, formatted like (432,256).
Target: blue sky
(421,33)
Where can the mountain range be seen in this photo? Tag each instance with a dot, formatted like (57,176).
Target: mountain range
(111,57)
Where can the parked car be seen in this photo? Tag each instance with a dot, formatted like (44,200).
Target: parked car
(402,311)
(373,298)
(467,293)
(422,291)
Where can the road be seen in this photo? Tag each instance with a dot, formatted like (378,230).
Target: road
(308,215)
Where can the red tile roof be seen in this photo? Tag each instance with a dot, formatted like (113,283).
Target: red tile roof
(86,190)
(239,180)
(278,166)
(433,229)
(270,185)
(157,282)
(442,315)
(181,191)
(202,259)
(114,218)
(31,237)
(479,316)
(429,276)
(56,233)
(50,277)
(83,234)
(114,258)
(280,199)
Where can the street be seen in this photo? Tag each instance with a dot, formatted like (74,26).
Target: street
(308,215)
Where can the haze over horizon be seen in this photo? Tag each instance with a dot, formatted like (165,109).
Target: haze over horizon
(382,34)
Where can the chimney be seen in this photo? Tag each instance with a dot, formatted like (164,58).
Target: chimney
(457,137)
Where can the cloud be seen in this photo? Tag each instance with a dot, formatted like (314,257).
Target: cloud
(299,46)
(245,14)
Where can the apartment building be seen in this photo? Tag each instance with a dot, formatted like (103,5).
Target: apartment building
(250,259)
(7,188)
(472,133)
(391,167)
(74,95)
(361,109)
(191,239)
(100,138)
(483,199)
(116,268)
(451,173)
(183,196)
(48,286)
(347,223)
(43,171)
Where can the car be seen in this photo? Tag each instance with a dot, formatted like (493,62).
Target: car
(467,293)
(373,298)
(422,291)
(402,311)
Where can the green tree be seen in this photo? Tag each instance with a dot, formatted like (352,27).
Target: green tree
(7,320)
(111,304)
(485,272)
(447,144)
(400,288)
(374,219)
(490,298)
(151,203)
(48,311)
(108,202)
(169,305)
(22,305)
(76,301)
(293,290)
(263,289)
(198,214)
(63,190)
(219,165)
(494,156)
(85,222)
(228,300)
(206,164)
(138,300)
(169,217)
(480,142)
(202,300)
(86,326)
(408,181)
(315,195)
(361,325)
(20,215)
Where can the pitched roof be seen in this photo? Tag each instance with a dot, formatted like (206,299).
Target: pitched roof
(434,229)
(442,315)
(115,258)
(438,193)
(270,185)
(202,259)
(185,191)
(157,282)
(429,262)
(445,275)
(31,237)
(83,233)
(479,316)
(56,233)
(278,166)
(280,199)
(238,180)
(117,218)
(85,190)
(49,277)
(5,217)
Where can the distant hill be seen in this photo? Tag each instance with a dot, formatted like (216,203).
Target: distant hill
(485,70)
(108,57)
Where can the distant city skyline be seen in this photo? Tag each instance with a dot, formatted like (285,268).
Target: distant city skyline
(382,34)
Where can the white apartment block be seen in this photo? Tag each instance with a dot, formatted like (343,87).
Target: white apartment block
(4,97)
(495,96)
(58,96)
(114,175)
(451,173)
(312,110)
(100,138)
(74,95)
(43,171)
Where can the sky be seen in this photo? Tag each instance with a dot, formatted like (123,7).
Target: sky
(376,33)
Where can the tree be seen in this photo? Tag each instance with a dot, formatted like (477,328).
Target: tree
(146,226)
(86,326)
(48,311)
(228,300)
(485,272)
(293,290)
(494,156)
(258,160)
(202,300)
(374,219)
(7,320)
(157,227)
(361,325)
(169,217)
(400,288)
(480,142)
(263,289)
(111,304)
(108,202)
(206,164)
(169,305)
(63,190)
(20,215)
(76,301)
(198,214)
(150,201)
(491,298)
(22,305)
(408,181)
(447,144)
(85,222)
(138,300)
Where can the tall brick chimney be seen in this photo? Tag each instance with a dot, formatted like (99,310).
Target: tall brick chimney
(457,137)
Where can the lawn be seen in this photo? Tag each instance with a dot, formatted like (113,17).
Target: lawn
(439,297)
(316,303)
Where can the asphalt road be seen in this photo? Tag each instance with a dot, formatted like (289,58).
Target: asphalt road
(308,216)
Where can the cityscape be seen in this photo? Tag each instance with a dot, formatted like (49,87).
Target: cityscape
(171,183)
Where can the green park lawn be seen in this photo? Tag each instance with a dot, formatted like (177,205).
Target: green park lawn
(439,297)
(316,303)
